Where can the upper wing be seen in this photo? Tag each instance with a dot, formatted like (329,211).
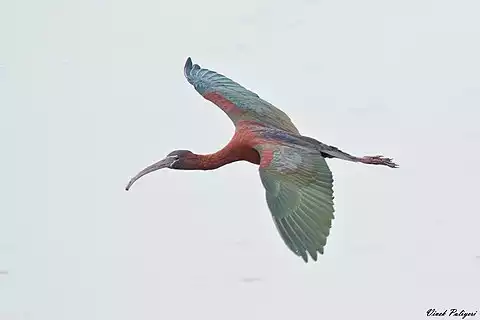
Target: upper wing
(237,102)
(299,192)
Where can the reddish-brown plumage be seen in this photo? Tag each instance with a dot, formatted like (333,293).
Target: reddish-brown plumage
(225,104)
(240,148)
(267,157)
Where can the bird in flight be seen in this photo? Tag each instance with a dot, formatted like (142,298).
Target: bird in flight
(297,180)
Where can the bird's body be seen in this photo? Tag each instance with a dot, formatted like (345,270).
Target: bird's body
(293,170)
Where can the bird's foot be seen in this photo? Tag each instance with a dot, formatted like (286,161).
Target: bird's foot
(378,160)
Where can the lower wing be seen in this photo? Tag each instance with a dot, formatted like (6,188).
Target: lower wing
(299,192)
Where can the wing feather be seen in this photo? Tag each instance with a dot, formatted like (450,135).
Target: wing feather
(299,192)
(248,104)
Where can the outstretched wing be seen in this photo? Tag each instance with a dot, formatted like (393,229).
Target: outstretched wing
(299,192)
(236,101)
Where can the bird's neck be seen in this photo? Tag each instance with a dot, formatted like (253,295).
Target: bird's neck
(215,160)
(219,159)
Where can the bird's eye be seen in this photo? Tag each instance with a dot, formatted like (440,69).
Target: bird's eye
(175,158)
(175,161)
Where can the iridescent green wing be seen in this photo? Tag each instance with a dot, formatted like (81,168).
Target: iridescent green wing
(236,101)
(299,192)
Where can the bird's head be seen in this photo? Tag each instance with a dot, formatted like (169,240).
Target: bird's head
(177,159)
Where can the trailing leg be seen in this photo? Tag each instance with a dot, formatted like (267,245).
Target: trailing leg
(333,152)
(378,160)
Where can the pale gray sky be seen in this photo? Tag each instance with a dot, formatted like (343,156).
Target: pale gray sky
(92,91)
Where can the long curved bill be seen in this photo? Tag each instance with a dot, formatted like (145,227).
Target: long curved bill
(165,163)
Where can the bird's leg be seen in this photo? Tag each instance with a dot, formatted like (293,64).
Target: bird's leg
(379,160)
(333,152)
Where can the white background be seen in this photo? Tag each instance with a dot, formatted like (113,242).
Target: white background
(93,91)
